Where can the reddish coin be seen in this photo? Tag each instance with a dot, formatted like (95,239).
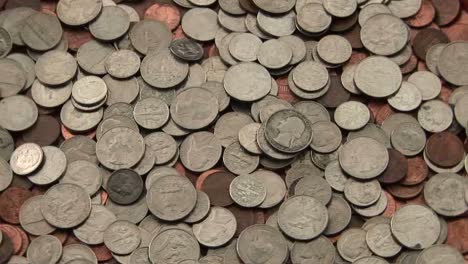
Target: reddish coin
(375,106)
(166,13)
(424,17)
(44,132)
(11,201)
(445,93)
(48,6)
(457,32)
(216,186)
(246,217)
(445,149)
(396,169)
(357,57)
(410,65)
(427,38)
(76,37)
(14,236)
(24,241)
(203,176)
(422,66)
(102,252)
(458,234)
(336,94)
(178,33)
(447,11)
(419,199)
(6,249)
(385,112)
(72,239)
(417,171)
(391,205)
(399,204)
(334,238)
(104,197)
(405,192)
(67,134)
(62,235)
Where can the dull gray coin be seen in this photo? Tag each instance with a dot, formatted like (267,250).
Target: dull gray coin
(312,18)
(147,91)
(7,145)
(50,96)
(216,229)
(77,120)
(234,23)
(77,252)
(31,218)
(7,42)
(150,35)
(362,193)
(409,139)
(228,125)
(244,47)
(218,90)
(384,34)
(378,76)
(314,111)
(247,191)
(248,138)
(42,31)
(44,249)
(442,193)
(200,151)
(201,30)
(79,148)
(121,90)
(84,174)
(247,81)
(26,158)
(53,167)
(375,209)
(450,63)
(276,25)
(238,161)
(14,20)
(319,250)
(163,70)
(112,23)
(334,49)
(440,253)
(408,97)
(91,56)
(315,187)
(415,226)
(66,205)
(14,76)
(159,172)
(335,176)
(352,245)
(56,67)
(151,113)
(381,242)
(92,230)
(371,10)
(299,171)
(113,122)
(75,13)
(274,54)
(327,137)
(352,115)
(186,247)
(276,188)
(201,210)
(187,49)
(435,116)
(162,145)
(89,90)
(427,83)
(310,76)
(6,175)
(133,213)
(122,237)
(432,57)
(122,63)
(339,215)
(275,6)
(27,64)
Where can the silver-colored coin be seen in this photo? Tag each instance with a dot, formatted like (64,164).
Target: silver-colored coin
(92,55)
(327,137)
(122,237)
(162,145)
(7,42)
(301,3)
(371,131)
(27,64)
(381,242)
(314,111)
(14,20)
(415,226)
(384,34)
(442,193)
(302,208)
(56,67)
(7,144)
(120,148)
(75,13)
(312,18)
(44,250)
(234,23)
(435,116)
(247,191)
(315,187)
(276,188)
(347,79)
(432,57)
(352,115)
(277,25)
(378,76)
(132,13)
(112,23)
(275,6)
(371,260)
(171,198)
(218,90)
(409,139)
(201,210)
(133,213)
(149,36)
(122,63)
(371,222)
(202,2)
(77,120)
(247,137)
(251,245)
(340,8)
(408,97)
(266,111)
(443,231)
(113,122)
(79,148)
(232,7)
(228,125)
(460,111)
(11,120)
(173,246)
(151,113)
(84,174)
(375,209)
(253,27)
(26,159)
(146,163)
(200,151)
(53,167)
(89,90)
(50,96)
(339,215)
(238,161)
(335,176)
(438,254)
(364,158)
(405,8)
(6,175)
(451,64)
(457,94)
(75,253)
(371,10)
(268,149)
(274,54)
(36,25)
(322,160)
(215,69)
(66,205)
(140,256)
(334,49)
(394,120)
(298,47)
(300,171)
(352,245)
(121,90)
(196,77)
(427,83)
(63,45)
(319,250)
(407,257)
(217,229)
(194,108)
(201,30)
(92,230)
(362,193)
(310,76)
(159,172)
(247,82)
(31,218)
(244,47)
(163,70)
(118,109)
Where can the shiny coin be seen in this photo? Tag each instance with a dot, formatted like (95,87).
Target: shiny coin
(26,158)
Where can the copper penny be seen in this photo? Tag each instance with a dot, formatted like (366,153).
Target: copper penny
(396,169)
(62,235)
(424,17)
(48,5)
(445,149)
(375,106)
(391,205)
(457,32)
(246,217)
(102,252)
(445,93)
(410,65)
(44,132)
(417,171)
(24,241)
(67,134)
(216,185)
(422,66)
(168,14)
(447,11)
(427,38)
(405,192)
(11,201)
(419,199)
(76,37)
(384,113)
(458,234)
(336,94)
(178,33)
(104,197)
(14,236)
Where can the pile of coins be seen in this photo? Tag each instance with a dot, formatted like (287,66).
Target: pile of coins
(233,131)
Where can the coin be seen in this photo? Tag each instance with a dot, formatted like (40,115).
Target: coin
(133,213)
(122,237)
(276,189)
(13,122)
(92,230)
(37,254)
(197,143)
(247,191)
(124,186)
(202,30)
(408,97)
(339,215)
(201,210)
(435,123)
(184,244)
(122,63)
(217,229)
(240,82)
(77,252)
(378,76)
(352,245)
(150,35)
(101,27)
(352,115)
(430,254)
(56,67)
(427,83)
(74,14)
(440,192)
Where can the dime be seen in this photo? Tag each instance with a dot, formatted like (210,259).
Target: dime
(239,161)
(122,63)
(217,229)
(381,242)
(433,122)
(341,51)
(352,115)
(247,191)
(26,158)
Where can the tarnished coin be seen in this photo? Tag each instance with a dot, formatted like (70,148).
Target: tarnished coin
(91,56)
(406,8)
(319,250)
(26,159)
(44,249)
(74,13)
(120,148)
(122,237)
(92,230)
(381,242)
(339,8)
(352,115)
(162,145)
(247,191)
(339,215)
(171,198)
(408,97)
(194,108)
(408,138)
(364,158)
(217,229)
(302,208)
(66,205)
(218,90)
(247,81)
(326,138)
(450,63)
(415,226)
(315,187)
(122,63)
(31,218)
(112,23)
(251,243)
(114,122)
(200,151)
(444,193)
(435,116)
(352,245)
(162,70)
(362,193)
(84,174)
(184,247)
(124,186)
(334,49)
(89,90)
(56,67)
(79,148)
(438,254)
(33,34)
(201,30)
(187,49)
(378,76)
(121,90)
(150,35)
(13,122)
(371,260)
(384,34)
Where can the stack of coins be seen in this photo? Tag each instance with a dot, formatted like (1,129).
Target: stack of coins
(233,131)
